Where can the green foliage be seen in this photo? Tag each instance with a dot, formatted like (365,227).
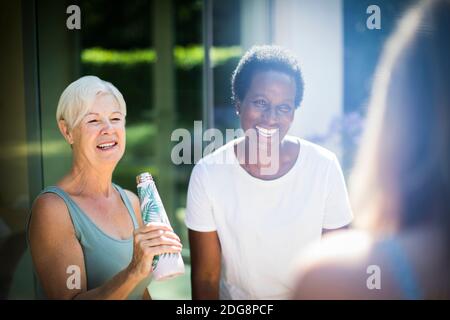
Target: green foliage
(105,56)
(185,57)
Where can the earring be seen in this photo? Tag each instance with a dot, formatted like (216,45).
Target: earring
(237,112)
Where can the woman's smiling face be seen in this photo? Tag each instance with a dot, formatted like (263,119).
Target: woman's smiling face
(269,105)
(100,135)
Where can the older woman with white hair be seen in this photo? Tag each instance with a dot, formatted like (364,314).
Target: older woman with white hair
(86,234)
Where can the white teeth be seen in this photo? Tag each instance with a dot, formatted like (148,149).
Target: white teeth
(266,132)
(106,145)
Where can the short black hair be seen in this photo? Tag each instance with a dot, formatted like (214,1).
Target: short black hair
(265,58)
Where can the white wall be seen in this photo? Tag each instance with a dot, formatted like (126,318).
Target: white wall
(313,30)
(255,29)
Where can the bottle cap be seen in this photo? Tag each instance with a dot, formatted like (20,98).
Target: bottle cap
(145,176)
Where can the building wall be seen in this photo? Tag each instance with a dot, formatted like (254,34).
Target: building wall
(313,30)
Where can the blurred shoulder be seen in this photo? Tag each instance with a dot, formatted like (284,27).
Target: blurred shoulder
(336,268)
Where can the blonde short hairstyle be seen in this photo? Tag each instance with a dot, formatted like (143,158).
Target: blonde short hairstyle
(77,99)
(402,173)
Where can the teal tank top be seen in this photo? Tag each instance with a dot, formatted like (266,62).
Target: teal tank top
(104,256)
(402,269)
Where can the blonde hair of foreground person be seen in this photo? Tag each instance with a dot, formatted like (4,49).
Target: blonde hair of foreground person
(400,185)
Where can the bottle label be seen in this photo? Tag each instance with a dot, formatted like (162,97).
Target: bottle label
(151,208)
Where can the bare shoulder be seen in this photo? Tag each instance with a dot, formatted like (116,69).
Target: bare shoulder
(50,213)
(47,201)
(134,199)
(136,205)
(51,228)
(336,268)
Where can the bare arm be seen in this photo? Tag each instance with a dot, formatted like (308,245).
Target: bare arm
(54,247)
(205,263)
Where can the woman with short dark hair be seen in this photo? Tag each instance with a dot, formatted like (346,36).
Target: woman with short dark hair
(259,199)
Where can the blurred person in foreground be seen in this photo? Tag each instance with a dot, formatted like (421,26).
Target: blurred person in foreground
(86,226)
(400,186)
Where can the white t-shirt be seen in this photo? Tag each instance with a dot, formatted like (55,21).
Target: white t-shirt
(262,225)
